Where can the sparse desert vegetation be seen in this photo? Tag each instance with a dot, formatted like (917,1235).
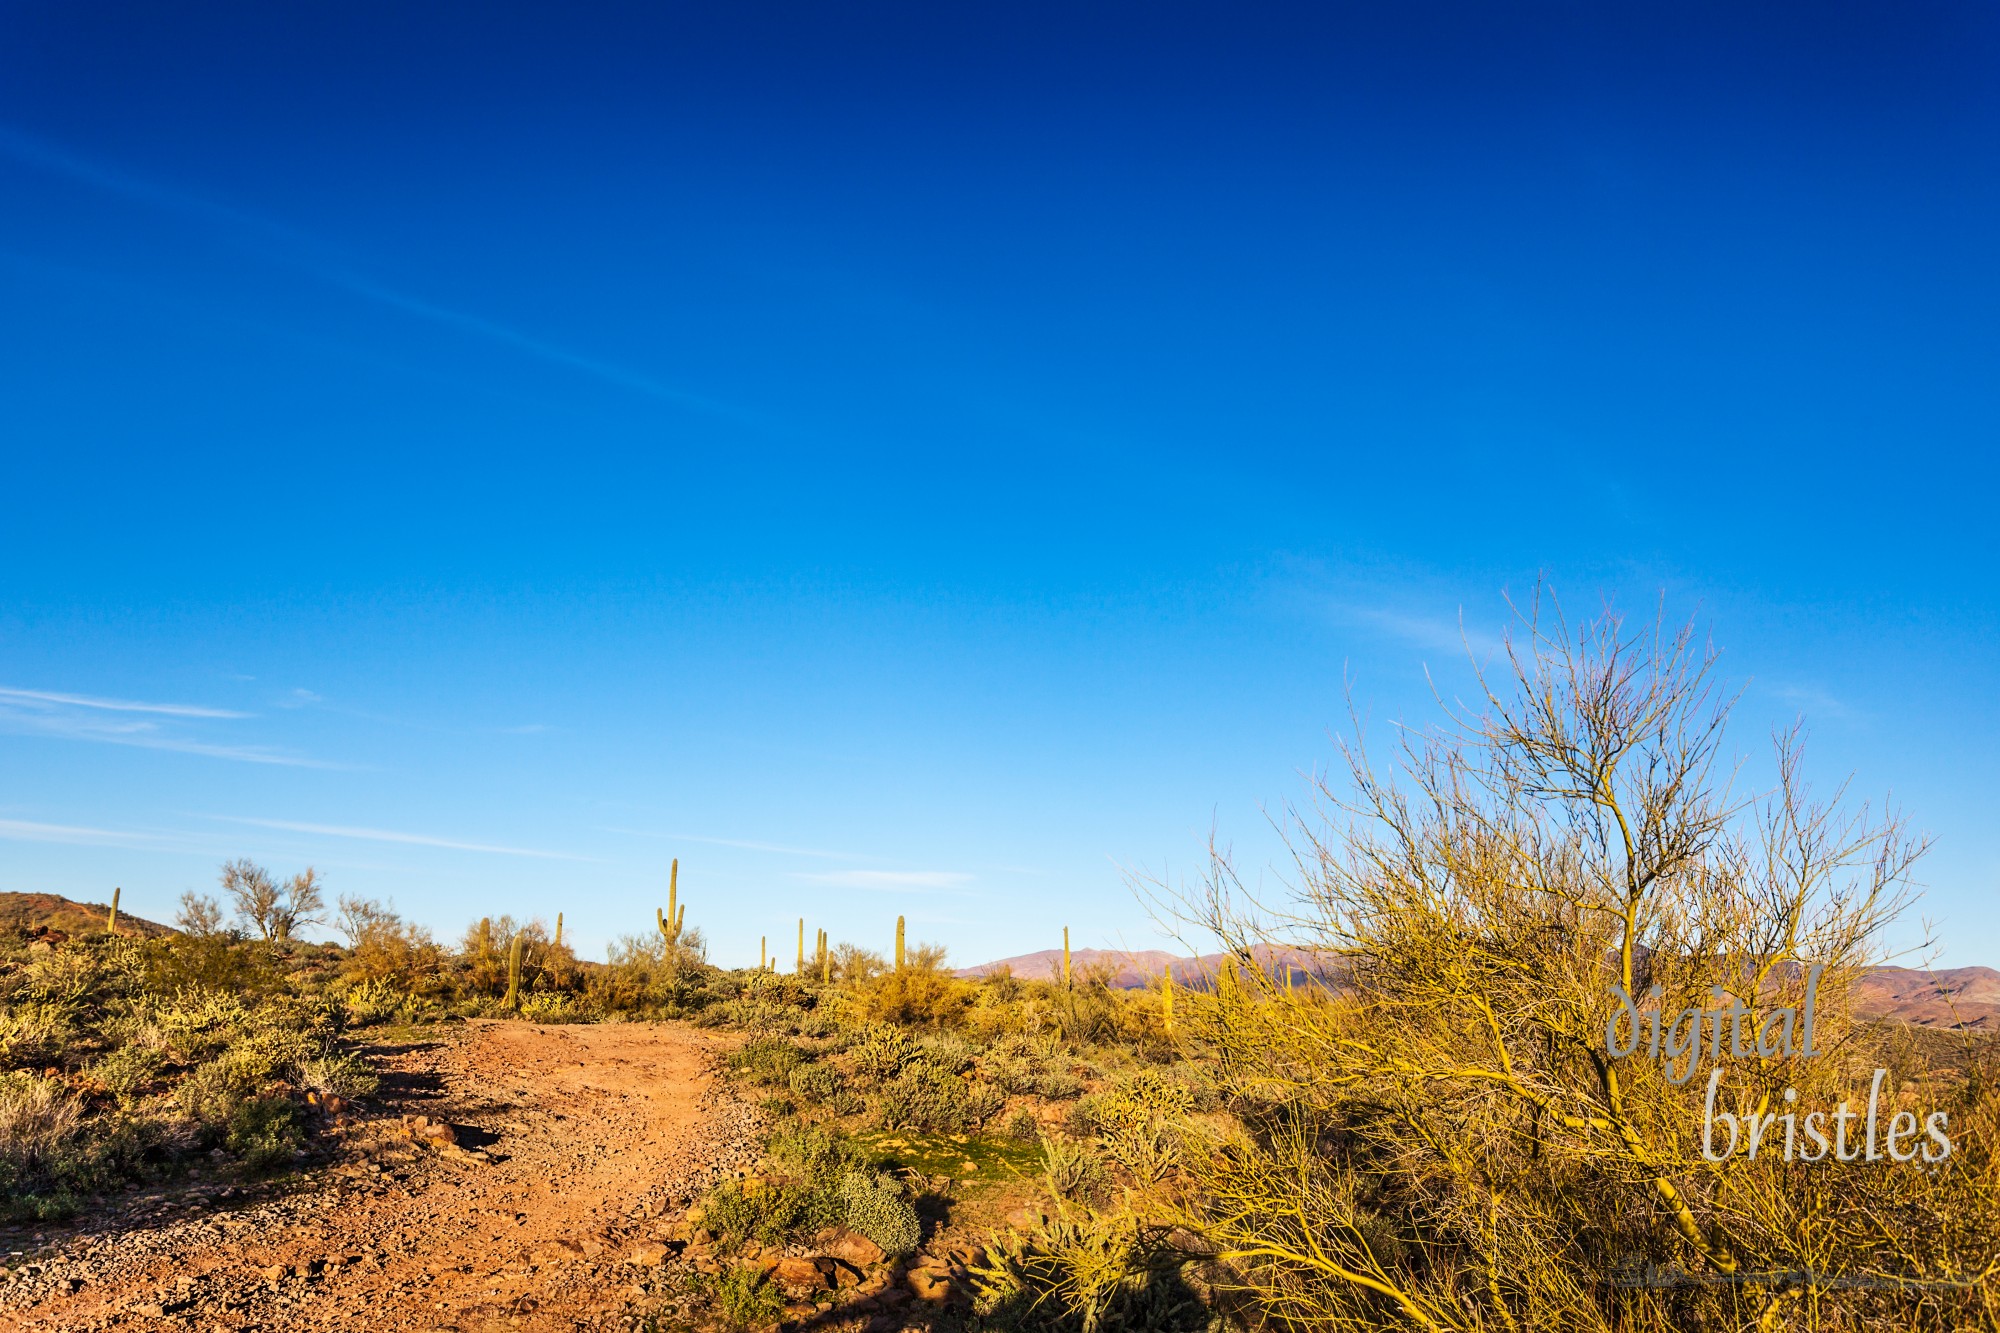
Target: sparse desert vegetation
(1421,1126)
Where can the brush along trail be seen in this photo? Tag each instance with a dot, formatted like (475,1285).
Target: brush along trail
(507,1176)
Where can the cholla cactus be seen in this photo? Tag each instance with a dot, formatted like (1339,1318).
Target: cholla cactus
(675,916)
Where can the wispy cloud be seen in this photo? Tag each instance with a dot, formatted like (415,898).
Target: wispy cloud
(146,726)
(1812,701)
(395,836)
(32,697)
(1427,632)
(312,255)
(777,848)
(22,830)
(888,881)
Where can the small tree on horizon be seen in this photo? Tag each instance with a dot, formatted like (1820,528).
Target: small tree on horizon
(271,910)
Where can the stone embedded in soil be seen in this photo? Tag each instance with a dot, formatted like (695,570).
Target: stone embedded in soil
(929,1284)
(851,1246)
(647,1254)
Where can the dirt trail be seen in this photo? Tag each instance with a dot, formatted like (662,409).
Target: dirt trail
(595,1133)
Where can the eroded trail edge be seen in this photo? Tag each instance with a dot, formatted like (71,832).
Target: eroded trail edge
(595,1134)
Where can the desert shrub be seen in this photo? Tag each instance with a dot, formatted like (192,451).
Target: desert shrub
(1057,1085)
(855,965)
(882,1052)
(554,1007)
(51,1153)
(767,1060)
(34,1033)
(815,1083)
(337,1075)
(757,1014)
(915,997)
(1083,1272)
(65,977)
(264,1131)
(209,1094)
(129,1072)
(771,1210)
(210,960)
(817,1180)
(1069,1170)
(949,1052)
(812,1152)
(199,1022)
(875,1207)
(999,987)
(983,1101)
(1135,1122)
(1196,1080)
(383,947)
(926,1098)
(645,976)
(38,1118)
(1022,1125)
(1009,1072)
(746,1301)
(1086,1013)
(369,1002)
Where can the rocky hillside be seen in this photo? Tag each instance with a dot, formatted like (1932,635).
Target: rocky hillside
(29,913)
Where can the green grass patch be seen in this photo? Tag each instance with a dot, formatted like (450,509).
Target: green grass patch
(968,1157)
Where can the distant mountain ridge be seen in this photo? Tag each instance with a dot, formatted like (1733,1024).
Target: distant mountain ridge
(1131,970)
(29,912)
(1955,997)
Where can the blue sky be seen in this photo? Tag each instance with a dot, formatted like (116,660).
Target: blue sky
(912,461)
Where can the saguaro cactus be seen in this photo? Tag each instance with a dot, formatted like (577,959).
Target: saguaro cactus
(1066,958)
(825,957)
(485,936)
(111,922)
(1167,1000)
(514,971)
(558,930)
(763,955)
(802,947)
(899,944)
(675,916)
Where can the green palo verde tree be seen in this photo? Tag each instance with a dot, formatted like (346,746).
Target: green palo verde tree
(1438,1130)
